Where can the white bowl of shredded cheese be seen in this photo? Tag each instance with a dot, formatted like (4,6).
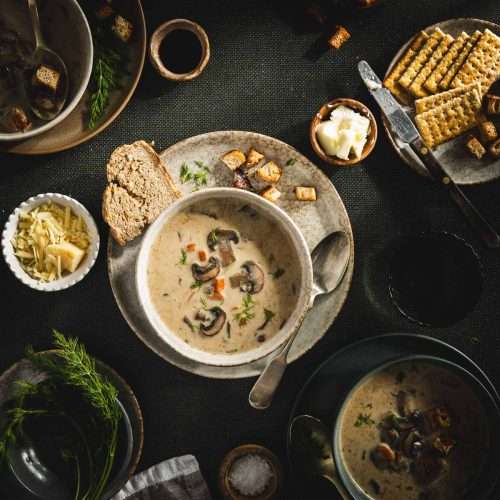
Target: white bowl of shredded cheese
(50,242)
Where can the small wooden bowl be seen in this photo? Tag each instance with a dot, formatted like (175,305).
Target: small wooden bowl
(158,36)
(275,486)
(324,114)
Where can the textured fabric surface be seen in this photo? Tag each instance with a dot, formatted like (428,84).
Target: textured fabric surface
(176,479)
(259,78)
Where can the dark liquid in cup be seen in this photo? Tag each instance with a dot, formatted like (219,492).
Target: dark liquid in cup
(180,51)
(435,279)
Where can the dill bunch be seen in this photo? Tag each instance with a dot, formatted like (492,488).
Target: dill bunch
(72,367)
(106,76)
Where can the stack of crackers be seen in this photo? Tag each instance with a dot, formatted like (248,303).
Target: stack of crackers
(446,78)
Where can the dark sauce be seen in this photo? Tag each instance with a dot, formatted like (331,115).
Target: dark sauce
(435,279)
(180,51)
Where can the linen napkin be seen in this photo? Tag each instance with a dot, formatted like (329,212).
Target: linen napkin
(178,478)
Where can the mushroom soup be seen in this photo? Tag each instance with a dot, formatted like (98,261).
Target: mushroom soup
(223,277)
(414,431)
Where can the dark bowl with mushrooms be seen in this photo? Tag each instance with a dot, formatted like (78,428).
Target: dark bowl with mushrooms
(224,276)
(420,425)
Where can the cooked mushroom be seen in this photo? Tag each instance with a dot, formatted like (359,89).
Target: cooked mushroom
(240,180)
(253,277)
(208,272)
(405,403)
(216,322)
(222,239)
(412,444)
(383,456)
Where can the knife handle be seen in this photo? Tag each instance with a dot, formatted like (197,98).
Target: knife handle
(489,236)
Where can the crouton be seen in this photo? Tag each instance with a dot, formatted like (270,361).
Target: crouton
(488,131)
(46,77)
(253,158)
(122,28)
(104,12)
(271,194)
(16,120)
(339,37)
(495,149)
(270,172)
(234,159)
(475,147)
(303,193)
(493,104)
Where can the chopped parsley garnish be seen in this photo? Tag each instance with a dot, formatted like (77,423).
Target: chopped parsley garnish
(183,258)
(203,303)
(278,273)
(291,161)
(364,419)
(202,165)
(268,315)
(246,311)
(186,174)
(196,284)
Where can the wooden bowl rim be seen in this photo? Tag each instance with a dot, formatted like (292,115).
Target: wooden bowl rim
(159,35)
(320,116)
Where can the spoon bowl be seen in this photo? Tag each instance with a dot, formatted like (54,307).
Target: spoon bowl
(43,105)
(312,450)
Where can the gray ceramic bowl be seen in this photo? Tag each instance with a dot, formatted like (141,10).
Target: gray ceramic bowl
(67,32)
(297,244)
(488,475)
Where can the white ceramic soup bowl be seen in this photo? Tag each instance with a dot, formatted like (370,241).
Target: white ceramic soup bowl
(292,237)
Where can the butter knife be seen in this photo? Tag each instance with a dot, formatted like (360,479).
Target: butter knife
(404,128)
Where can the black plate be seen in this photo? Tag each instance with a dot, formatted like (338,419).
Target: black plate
(326,389)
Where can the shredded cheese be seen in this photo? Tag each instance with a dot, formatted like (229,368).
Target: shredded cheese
(50,241)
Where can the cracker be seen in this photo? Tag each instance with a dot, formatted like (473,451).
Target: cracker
(481,63)
(391,82)
(416,88)
(444,84)
(420,58)
(432,101)
(450,119)
(431,84)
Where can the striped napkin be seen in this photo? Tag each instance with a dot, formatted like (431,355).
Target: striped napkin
(178,478)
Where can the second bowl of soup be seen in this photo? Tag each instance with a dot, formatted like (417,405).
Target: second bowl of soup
(224,276)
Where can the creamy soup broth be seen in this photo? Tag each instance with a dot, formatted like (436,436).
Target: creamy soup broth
(431,386)
(184,303)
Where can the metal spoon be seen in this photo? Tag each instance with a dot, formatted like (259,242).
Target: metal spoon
(312,452)
(329,259)
(44,55)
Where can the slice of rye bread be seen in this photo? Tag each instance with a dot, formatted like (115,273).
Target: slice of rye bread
(431,84)
(139,189)
(391,81)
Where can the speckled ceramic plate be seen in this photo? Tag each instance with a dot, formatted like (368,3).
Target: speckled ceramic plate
(314,219)
(460,165)
(24,370)
(73,130)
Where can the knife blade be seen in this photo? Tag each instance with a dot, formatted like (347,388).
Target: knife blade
(404,128)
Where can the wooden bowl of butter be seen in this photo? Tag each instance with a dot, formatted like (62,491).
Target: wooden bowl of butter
(343,132)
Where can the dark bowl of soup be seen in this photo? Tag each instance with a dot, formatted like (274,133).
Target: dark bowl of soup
(419,428)
(224,276)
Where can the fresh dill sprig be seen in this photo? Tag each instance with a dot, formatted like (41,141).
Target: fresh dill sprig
(107,73)
(186,175)
(196,284)
(246,311)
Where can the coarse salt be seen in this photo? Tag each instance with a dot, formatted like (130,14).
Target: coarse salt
(250,474)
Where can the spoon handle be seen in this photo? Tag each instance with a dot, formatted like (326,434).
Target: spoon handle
(35,21)
(335,481)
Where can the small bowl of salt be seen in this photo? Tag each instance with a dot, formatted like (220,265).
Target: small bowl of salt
(250,472)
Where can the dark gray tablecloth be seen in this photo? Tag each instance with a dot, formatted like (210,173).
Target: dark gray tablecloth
(260,79)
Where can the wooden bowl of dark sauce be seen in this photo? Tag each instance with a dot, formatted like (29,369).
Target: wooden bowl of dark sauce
(179,50)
